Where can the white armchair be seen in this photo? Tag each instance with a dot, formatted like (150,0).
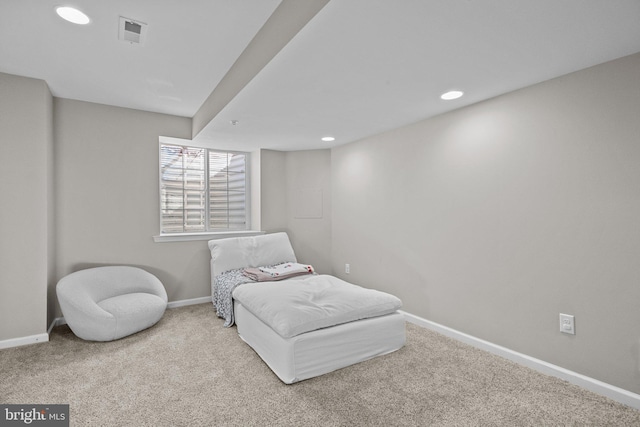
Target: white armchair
(107,303)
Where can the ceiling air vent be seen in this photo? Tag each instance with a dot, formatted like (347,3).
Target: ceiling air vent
(132,31)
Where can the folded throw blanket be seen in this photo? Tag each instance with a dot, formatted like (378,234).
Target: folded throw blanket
(287,269)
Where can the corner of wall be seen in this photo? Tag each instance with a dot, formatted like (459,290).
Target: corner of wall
(255,190)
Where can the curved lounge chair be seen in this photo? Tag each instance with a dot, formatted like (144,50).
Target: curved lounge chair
(107,303)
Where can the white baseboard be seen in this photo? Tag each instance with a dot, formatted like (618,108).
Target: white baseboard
(185,302)
(615,393)
(18,342)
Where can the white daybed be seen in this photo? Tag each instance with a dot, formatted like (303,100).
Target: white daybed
(304,347)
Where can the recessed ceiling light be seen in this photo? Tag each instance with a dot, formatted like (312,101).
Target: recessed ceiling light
(328,138)
(452,94)
(72,14)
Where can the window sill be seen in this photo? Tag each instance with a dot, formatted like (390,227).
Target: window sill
(188,237)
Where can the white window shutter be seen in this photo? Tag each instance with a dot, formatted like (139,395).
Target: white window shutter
(202,190)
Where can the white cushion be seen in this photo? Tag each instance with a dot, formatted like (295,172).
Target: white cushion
(134,312)
(295,306)
(255,251)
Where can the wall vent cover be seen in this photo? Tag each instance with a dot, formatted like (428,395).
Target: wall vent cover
(132,31)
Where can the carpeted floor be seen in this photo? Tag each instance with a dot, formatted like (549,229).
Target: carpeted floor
(190,371)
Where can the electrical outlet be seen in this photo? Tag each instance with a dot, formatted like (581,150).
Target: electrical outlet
(567,324)
(347,268)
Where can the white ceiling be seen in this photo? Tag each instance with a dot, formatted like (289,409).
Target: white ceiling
(359,67)
(189,47)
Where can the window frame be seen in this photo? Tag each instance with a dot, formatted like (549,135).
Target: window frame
(208,233)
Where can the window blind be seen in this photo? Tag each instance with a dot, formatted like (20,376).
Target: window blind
(202,190)
(227,191)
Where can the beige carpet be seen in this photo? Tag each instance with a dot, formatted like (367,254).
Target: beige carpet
(189,371)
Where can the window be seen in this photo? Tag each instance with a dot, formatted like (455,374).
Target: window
(202,190)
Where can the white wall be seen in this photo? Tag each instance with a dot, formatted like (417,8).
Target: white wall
(495,218)
(26,214)
(108,197)
(308,189)
(273,198)
(296,198)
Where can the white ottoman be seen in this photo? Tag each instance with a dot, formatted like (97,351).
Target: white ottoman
(107,303)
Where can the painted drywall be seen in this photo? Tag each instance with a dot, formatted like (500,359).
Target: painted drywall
(255,204)
(26,214)
(495,218)
(51,223)
(106,162)
(273,197)
(289,17)
(295,197)
(308,189)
